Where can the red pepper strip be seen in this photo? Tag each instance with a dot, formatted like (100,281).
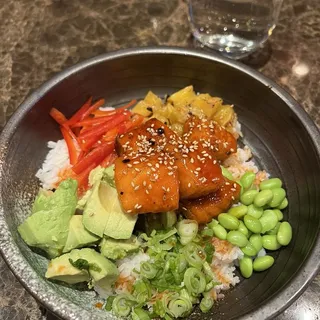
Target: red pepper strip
(58,116)
(112,134)
(126,106)
(82,178)
(71,144)
(78,115)
(109,160)
(94,107)
(98,131)
(101,113)
(94,156)
(92,122)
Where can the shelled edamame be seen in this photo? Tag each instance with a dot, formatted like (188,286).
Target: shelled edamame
(255,223)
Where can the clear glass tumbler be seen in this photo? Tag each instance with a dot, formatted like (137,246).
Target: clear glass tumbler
(233,27)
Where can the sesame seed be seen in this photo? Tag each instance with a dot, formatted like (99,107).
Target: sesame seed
(129,165)
(147,191)
(136,188)
(144,183)
(189,185)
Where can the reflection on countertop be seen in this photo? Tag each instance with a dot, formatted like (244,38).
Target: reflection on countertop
(40,38)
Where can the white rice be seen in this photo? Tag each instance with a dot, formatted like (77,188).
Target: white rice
(56,160)
(127,265)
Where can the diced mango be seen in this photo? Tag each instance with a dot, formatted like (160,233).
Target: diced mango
(182,97)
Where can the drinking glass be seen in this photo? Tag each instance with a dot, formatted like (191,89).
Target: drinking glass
(233,27)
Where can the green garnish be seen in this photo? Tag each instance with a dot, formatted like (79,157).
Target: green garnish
(83,264)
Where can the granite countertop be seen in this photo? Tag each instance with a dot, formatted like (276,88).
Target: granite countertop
(41,37)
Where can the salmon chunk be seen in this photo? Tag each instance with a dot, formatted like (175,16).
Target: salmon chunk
(204,209)
(147,184)
(211,137)
(199,174)
(151,137)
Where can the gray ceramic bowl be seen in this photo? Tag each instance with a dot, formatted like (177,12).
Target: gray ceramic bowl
(284,139)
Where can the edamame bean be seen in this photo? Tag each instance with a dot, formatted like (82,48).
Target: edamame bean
(278,196)
(270,242)
(284,234)
(247,179)
(283,204)
(262,198)
(213,223)
(263,263)
(256,241)
(238,211)
(268,220)
(270,184)
(279,214)
(246,267)
(248,196)
(252,223)
(274,231)
(243,229)
(255,211)
(249,250)
(220,232)
(237,238)
(228,221)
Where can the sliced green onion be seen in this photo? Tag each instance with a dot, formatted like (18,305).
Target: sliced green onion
(208,271)
(142,291)
(187,230)
(210,285)
(194,281)
(226,173)
(109,302)
(207,233)
(209,250)
(140,314)
(148,270)
(206,304)
(122,305)
(195,255)
(179,307)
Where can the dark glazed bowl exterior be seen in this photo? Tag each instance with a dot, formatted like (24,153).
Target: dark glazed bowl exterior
(283,138)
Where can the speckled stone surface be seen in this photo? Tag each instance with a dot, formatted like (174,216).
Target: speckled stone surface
(39,38)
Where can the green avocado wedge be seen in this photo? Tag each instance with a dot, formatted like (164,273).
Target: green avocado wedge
(48,226)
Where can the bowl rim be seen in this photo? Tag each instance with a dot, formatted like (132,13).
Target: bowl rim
(10,251)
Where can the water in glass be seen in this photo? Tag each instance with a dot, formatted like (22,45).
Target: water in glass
(233,27)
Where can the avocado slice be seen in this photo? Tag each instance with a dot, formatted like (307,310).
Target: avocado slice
(48,228)
(103,214)
(78,236)
(81,265)
(106,272)
(61,269)
(118,249)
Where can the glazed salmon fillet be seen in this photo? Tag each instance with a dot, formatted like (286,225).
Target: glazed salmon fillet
(151,137)
(204,209)
(199,175)
(211,137)
(147,184)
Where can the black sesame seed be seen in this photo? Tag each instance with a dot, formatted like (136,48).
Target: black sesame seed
(121,192)
(126,160)
(160,131)
(152,142)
